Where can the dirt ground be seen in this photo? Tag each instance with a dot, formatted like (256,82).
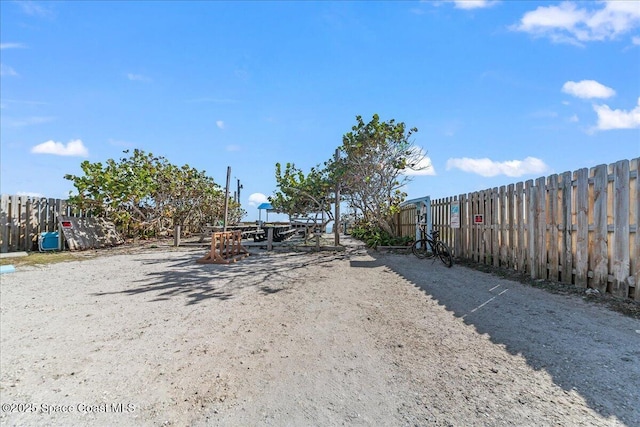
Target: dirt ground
(349,338)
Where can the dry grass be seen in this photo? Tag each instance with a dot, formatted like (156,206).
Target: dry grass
(40,258)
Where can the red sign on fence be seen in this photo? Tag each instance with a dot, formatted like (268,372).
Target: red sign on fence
(478,219)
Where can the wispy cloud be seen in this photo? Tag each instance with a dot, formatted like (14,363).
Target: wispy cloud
(36,9)
(233,147)
(138,78)
(569,23)
(220,124)
(574,119)
(588,89)
(5,70)
(609,119)
(73,148)
(256,199)
(487,167)
(28,121)
(635,40)
(4,46)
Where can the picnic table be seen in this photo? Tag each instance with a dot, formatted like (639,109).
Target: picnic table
(280,233)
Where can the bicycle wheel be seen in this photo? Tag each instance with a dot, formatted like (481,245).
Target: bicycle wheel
(420,248)
(444,254)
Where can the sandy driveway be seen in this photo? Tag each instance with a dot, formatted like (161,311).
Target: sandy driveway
(355,338)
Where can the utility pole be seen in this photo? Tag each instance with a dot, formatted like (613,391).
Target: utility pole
(226,199)
(239,188)
(336,222)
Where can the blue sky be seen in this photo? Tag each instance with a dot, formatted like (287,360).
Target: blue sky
(500,91)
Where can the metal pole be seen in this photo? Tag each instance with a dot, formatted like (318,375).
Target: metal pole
(226,199)
(336,224)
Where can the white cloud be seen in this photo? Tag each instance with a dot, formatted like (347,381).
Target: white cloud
(635,40)
(73,148)
(12,46)
(574,119)
(617,119)
(233,147)
(138,78)
(588,89)
(473,4)
(422,167)
(256,199)
(220,124)
(568,23)
(5,70)
(488,167)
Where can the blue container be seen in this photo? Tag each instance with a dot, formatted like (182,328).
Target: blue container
(7,269)
(48,241)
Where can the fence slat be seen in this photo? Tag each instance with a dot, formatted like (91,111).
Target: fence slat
(552,220)
(521,254)
(620,255)
(599,252)
(4,223)
(582,227)
(566,255)
(15,224)
(495,232)
(635,254)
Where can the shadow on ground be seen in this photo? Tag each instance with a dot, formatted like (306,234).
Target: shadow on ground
(181,276)
(584,347)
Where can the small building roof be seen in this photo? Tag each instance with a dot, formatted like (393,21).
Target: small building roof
(266,206)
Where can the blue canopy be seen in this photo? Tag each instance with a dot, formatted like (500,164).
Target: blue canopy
(266,206)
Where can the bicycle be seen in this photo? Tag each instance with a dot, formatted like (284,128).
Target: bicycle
(429,246)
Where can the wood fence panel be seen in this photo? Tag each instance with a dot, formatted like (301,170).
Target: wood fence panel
(493,227)
(599,252)
(579,227)
(620,255)
(521,254)
(530,199)
(4,223)
(566,255)
(482,206)
(541,228)
(635,212)
(582,227)
(462,250)
(15,223)
(511,246)
(552,220)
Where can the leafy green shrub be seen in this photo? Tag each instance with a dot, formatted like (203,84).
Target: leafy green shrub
(374,236)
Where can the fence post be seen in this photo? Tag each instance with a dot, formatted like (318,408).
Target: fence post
(620,253)
(599,256)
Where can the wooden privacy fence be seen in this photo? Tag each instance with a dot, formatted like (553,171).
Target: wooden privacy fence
(579,228)
(22,218)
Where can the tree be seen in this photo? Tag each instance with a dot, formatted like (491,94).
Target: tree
(303,195)
(144,194)
(373,169)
